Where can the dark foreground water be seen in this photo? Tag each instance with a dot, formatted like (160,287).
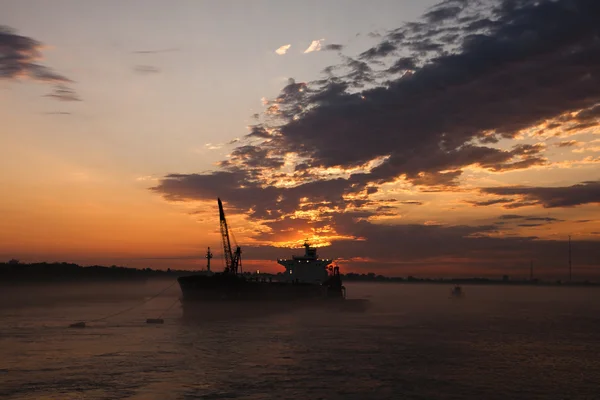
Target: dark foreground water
(416,343)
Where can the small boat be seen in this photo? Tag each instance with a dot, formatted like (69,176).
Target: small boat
(457,292)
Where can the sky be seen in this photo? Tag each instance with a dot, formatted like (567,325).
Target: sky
(424,138)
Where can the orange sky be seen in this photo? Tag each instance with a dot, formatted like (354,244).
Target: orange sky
(89,144)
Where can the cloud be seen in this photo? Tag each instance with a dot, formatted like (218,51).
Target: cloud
(19,58)
(283,49)
(315,45)
(551,197)
(57,113)
(155,51)
(462,92)
(146,69)
(511,216)
(458,88)
(567,143)
(333,47)
(211,146)
(381,50)
(491,202)
(545,219)
(63,93)
(441,14)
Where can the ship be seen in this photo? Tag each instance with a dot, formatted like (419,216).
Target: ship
(307,280)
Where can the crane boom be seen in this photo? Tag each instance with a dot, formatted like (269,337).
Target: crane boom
(231,260)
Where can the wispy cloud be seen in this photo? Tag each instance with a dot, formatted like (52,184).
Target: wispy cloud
(63,93)
(314,46)
(146,69)
(333,47)
(20,59)
(283,49)
(155,51)
(146,178)
(57,113)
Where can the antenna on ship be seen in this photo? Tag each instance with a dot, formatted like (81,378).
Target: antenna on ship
(570,266)
(531,270)
(208,256)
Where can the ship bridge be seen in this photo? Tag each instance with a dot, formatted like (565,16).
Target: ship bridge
(306,268)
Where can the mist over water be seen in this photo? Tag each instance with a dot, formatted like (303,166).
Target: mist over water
(498,342)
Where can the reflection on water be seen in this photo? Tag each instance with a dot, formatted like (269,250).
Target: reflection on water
(496,343)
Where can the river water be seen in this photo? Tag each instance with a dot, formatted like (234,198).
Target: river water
(499,342)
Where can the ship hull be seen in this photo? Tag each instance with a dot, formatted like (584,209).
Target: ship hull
(227,296)
(224,288)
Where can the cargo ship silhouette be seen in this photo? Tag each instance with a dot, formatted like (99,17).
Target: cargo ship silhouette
(307,281)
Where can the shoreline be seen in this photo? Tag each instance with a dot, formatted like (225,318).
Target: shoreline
(44,273)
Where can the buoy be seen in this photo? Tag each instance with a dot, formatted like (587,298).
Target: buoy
(77,325)
(155,321)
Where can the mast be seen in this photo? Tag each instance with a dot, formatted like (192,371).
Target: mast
(208,256)
(570,266)
(531,271)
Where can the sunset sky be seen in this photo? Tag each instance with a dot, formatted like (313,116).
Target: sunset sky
(404,137)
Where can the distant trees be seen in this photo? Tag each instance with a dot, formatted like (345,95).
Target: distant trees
(15,271)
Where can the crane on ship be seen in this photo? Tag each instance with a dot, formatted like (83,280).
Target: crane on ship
(233,260)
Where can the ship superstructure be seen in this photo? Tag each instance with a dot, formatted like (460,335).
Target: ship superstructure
(306,268)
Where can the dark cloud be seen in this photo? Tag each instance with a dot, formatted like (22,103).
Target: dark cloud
(411,202)
(333,47)
(591,113)
(545,219)
(442,13)
(381,50)
(567,143)
(360,72)
(241,190)
(254,157)
(511,216)
(403,64)
(145,69)
(585,125)
(534,221)
(63,93)
(19,56)
(386,210)
(519,204)
(550,197)
(57,113)
(491,202)
(259,131)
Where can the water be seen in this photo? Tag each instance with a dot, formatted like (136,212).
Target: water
(415,343)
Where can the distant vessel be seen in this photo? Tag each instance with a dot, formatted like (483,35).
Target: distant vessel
(307,280)
(457,292)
